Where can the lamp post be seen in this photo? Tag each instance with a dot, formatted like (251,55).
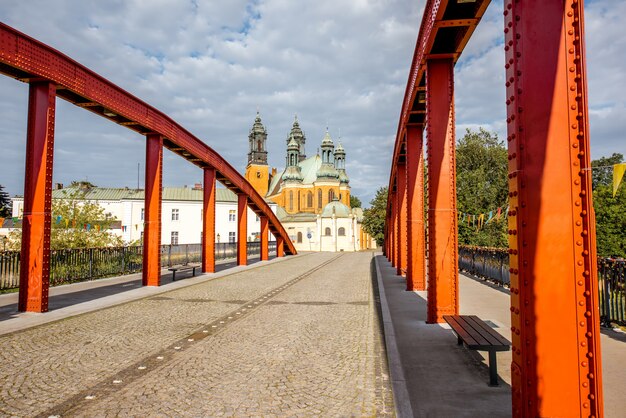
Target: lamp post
(218,237)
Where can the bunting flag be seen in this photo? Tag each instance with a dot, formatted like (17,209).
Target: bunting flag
(58,219)
(1,222)
(88,227)
(490,217)
(98,228)
(499,213)
(481,220)
(67,222)
(73,223)
(618,174)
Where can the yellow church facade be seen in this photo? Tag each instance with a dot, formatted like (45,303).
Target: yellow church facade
(312,194)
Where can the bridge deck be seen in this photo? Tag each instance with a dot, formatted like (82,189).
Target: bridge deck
(294,336)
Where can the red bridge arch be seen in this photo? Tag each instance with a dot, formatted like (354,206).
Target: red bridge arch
(52,74)
(556,368)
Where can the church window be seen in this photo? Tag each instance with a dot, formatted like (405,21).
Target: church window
(341,232)
(259,146)
(327,232)
(232,215)
(299,237)
(319,199)
(309,199)
(331,195)
(290,200)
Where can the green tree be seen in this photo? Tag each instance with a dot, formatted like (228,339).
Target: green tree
(610,211)
(355,202)
(374,216)
(76,223)
(5,203)
(481,164)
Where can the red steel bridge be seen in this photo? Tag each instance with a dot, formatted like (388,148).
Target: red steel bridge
(556,367)
(51,74)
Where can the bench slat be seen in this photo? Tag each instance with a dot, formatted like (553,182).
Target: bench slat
(460,331)
(468,326)
(494,335)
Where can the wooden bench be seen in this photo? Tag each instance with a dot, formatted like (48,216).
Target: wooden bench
(184,267)
(478,335)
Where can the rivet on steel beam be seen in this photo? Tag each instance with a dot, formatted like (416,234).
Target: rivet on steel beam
(580,283)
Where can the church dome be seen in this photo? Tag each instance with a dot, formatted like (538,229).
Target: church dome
(293,145)
(343,177)
(336,208)
(327,171)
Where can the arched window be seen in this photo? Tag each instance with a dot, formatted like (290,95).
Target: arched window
(291,200)
(309,199)
(319,198)
(258,145)
(342,232)
(299,237)
(327,232)
(331,195)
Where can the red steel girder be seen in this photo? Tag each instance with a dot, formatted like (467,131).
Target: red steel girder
(242,230)
(208,221)
(151,273)
(35,255)
(280,246)
(264,238)
(25,58)
(415,269)
(556,369)
(401,218)
(443,275)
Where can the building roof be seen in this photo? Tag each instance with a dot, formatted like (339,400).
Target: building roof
(169,193)
(336,208)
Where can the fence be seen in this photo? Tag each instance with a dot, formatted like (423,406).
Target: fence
(493,264)
(80,264)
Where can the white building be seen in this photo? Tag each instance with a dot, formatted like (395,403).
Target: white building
(181,213)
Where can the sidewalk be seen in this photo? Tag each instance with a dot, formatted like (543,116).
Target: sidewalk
(445,380)
(77,298)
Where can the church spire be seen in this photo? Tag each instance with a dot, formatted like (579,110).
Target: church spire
(258,136)
(297,134)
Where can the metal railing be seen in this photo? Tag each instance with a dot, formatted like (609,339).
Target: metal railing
(490,263)
(493,264)
(81,264)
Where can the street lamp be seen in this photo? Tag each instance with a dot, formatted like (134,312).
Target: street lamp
(218,237)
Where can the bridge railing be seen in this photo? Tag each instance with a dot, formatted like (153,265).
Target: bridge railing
(493,264)
(82,264)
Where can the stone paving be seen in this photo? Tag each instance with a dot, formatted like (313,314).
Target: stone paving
(297,338)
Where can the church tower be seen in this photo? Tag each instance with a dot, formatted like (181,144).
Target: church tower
(257,171)
(297,135)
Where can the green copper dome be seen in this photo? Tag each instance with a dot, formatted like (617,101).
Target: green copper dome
(336,208)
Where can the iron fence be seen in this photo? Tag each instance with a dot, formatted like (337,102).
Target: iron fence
(493,264)
(81,264)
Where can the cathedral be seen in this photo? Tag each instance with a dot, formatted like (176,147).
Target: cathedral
(312,194)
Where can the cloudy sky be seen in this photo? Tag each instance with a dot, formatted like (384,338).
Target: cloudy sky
(210,64)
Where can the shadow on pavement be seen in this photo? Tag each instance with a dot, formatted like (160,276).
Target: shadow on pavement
(82,292)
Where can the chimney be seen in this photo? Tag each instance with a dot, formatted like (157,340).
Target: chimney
(197,186)
(58,186)
(273,171)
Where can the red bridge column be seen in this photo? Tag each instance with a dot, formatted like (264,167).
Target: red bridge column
(36,222)
(401,218)
(556,368)
(443,287)
(151,274)
(264,238)
(208,222)
(415,274)
(242,230)
(280,243)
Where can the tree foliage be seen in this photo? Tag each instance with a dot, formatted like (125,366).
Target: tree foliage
(610,211)
(481,164)
(355,202)
(374,216)
(5,203)
(76,223)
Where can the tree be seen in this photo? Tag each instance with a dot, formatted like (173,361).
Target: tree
(374,216)
(481,182)
(610,211)
(5,203)
(76,223)
(355,202)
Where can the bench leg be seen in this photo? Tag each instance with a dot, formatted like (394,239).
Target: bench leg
(193,272)
(174,276)
(459,341)
(493,369)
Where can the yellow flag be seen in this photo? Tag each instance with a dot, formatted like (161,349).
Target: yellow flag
(618,173)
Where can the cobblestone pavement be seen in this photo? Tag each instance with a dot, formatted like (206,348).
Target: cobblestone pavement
(297,338)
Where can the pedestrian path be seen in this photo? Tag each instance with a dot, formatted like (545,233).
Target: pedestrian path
(443,379)
(297,337)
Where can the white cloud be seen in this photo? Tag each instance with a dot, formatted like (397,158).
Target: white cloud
(210,64)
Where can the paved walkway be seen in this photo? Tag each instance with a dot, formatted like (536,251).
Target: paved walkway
(299,337)
(445,380)
(295,336)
